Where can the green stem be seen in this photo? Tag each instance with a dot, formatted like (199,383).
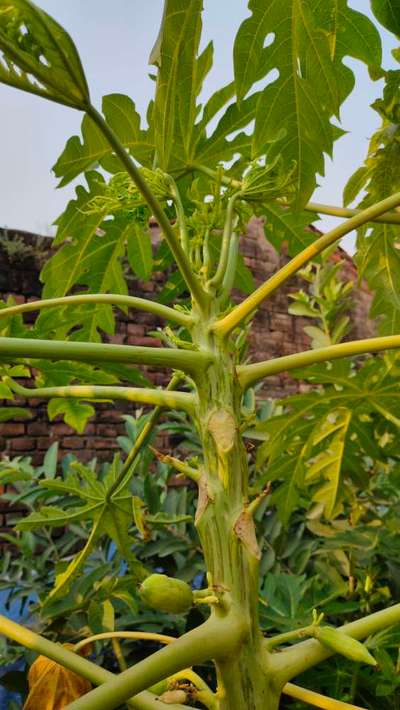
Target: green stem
(119,656)
(183,468)
(181,260)
(95,674)
(306,654)
(248,374)
(109,298)
(140,441)
(244,309)
(280,639)
(386,218)
(133,635)
(218,277)
(316,699)
(180,213)
(215,638)
(231,266)
(161,398)
(186,360)
(229,182)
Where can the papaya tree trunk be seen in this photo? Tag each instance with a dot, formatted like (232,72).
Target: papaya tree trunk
(227,533)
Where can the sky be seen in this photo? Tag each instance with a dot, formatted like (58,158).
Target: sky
(114,47)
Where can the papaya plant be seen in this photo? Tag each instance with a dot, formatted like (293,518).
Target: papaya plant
(202,170)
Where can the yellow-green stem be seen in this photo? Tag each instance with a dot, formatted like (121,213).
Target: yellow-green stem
(111,299)
(249,374)
(95,674)
(244,309)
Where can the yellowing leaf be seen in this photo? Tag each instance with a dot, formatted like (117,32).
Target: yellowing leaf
(52,687)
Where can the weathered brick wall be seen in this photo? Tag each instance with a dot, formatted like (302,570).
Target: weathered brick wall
(273,333)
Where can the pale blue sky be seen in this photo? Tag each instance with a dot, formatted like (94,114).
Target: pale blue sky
(114,40)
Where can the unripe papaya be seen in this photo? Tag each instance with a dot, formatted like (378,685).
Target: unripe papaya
(166,594)
(345,645)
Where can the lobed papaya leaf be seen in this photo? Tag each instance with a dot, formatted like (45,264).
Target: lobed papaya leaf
(378,253)
(305,43)
(79,156)
(387,12)
(37,55)
(180,74)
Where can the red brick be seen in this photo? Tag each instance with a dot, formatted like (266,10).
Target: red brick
(38,429)
(12,428)
(135,329)
(23,444)
(104,444)
(72,442)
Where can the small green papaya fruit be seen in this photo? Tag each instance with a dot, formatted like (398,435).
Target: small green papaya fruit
(345,645)
(166,594)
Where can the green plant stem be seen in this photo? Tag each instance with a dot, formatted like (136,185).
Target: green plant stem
(134,635)
(225,325)
(119,656)
(181,259)
(230,272)
(280,639)
(218,277)
(186,360)
(248,374)
(206,696)
(141,440)
(306,654)
(161,398)
(95,674)
(316,699)
(180,213)
(141,304)
(229,182)
(215,638)
(183,468)
(386,217)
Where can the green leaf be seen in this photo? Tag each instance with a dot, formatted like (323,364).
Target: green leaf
(75,413)
(90,255)
(55,517)
(283,225)
(162,519)
(309,40)
(325,434)
(39,56)
(378,250)
(101,616)
(11,413)
(328,463)
(378,261)
(49,466)
(64,579)
(179,77)
(139,251)
(220,146)
(80,156)
(388,14)
(244,280)
(354,185)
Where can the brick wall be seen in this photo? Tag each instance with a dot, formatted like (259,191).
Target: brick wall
(273,333)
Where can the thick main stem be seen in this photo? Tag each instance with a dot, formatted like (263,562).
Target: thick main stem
(226,529)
